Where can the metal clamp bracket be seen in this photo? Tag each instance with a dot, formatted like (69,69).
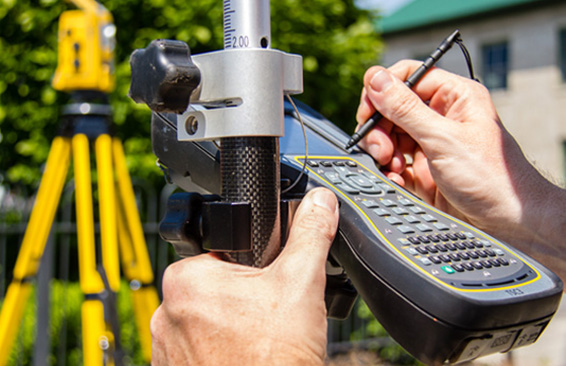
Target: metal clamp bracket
(243,91)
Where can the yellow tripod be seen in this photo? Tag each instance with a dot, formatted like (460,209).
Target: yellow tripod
(119,223)
(85,67)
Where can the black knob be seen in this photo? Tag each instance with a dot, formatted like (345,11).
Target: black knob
(181,224)
(163,76)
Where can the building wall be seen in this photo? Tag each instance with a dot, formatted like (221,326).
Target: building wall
(533,107)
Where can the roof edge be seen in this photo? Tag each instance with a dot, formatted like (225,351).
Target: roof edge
(516,8)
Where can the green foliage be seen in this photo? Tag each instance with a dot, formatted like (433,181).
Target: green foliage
(338,43)
(28,104)
(393,353)
(336,40)
(65,325)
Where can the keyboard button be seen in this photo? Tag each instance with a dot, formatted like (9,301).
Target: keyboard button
(346,188)
(441,247)
(440,226)
(423,239)
(393,220)
(370,203)
(381,212)
(388,203)
(431,249)
(422,250)
(405,229)
(333,177)
(414,240)
(412,219)
(400,211)
(458,267)
(435,259)
(429,218)
(312,163)
(423,228)
(448,269)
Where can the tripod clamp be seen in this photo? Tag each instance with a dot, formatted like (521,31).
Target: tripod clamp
(250,108)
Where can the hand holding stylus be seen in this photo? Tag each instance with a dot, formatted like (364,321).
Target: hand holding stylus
(410,82)
(462,159)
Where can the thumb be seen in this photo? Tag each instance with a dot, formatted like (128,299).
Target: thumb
(312,232)
(399,104)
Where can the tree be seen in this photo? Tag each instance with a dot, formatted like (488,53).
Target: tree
(337,41)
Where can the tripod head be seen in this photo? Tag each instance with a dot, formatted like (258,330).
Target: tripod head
(86,49)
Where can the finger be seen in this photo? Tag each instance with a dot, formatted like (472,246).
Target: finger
(395,177)
(379,145)
(446,92)
(365,109)
(312,232)
(406,144)
(397,163)
(400,105)
(408,179)
(404,68)
(425,187)
(434,80)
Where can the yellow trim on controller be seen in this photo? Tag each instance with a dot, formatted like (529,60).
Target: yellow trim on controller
(298,160)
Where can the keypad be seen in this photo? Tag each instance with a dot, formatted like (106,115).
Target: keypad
(437,244)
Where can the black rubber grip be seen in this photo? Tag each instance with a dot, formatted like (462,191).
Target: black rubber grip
(250,173)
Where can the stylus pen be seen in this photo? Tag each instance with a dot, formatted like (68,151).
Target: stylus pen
(410,82)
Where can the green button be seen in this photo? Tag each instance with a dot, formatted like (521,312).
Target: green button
(448,269)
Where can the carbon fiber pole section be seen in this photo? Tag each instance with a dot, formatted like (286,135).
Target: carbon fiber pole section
(250,173)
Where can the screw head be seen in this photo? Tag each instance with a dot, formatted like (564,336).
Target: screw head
(191,125)
(104,343)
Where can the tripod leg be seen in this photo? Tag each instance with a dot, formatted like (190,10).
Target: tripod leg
(137,265)
(92,310)
(34,242)
(107,203)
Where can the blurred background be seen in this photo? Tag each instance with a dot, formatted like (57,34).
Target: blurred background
(518,48)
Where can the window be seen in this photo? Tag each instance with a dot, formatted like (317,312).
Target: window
(562,53)
(495,62)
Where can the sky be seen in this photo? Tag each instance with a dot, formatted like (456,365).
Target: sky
(386,6)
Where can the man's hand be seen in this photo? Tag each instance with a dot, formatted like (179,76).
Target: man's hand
(220,313)
(462,160)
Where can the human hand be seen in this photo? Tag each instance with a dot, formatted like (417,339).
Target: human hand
(220,313)
(463,160)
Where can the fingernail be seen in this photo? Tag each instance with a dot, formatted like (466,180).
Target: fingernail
(381,81)
(325,199)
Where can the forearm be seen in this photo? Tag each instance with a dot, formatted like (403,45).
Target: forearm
(545,222)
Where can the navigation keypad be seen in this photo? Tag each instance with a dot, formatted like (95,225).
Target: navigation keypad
(431,240)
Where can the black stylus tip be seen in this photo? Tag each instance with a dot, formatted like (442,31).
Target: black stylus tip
(351,143)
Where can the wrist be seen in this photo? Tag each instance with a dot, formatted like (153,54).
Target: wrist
(544,224)
(279,352)
(544,215)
